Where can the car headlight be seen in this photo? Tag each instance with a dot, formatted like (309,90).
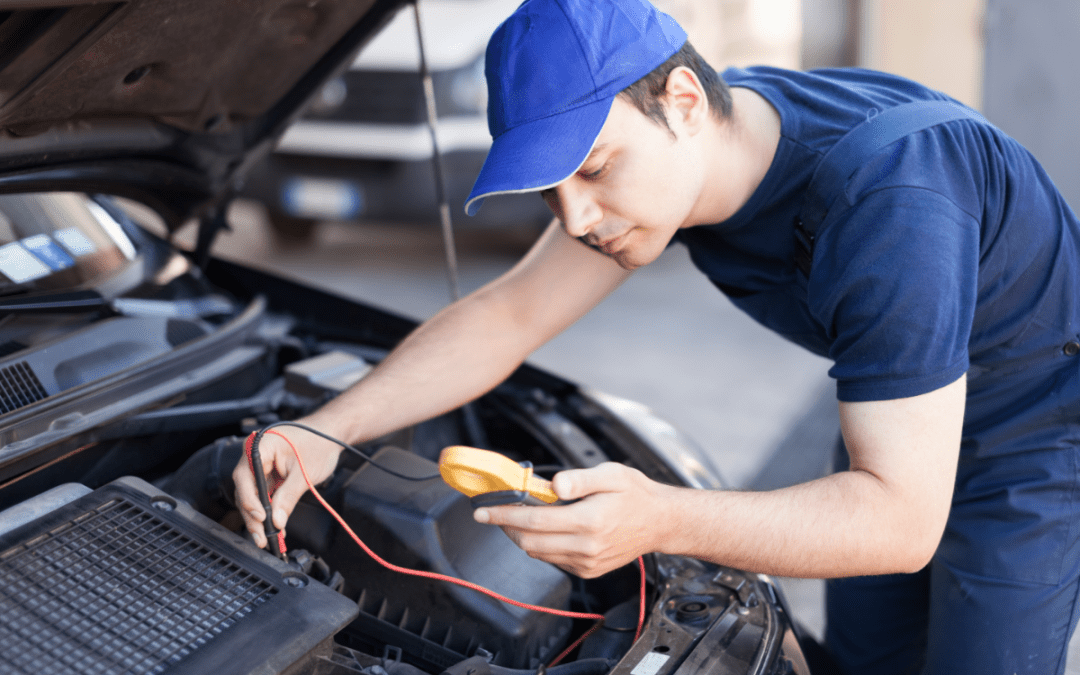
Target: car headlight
(679,452)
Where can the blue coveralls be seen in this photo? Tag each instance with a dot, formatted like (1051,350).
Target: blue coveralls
(949,252)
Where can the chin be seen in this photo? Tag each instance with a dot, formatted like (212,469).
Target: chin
(640,253)
(631,260)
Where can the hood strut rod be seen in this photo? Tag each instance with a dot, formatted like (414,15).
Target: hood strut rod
(436,156)
(474,430)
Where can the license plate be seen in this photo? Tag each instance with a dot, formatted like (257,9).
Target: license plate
(322,198)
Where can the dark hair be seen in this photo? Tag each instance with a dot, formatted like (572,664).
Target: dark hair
(645,93)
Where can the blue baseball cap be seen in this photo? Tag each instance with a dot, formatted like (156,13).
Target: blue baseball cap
(553,69)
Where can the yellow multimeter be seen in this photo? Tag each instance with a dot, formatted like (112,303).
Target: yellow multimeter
(491,479)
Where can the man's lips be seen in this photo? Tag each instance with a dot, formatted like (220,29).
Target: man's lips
(609,246)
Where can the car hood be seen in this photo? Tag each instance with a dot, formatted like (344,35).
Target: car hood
(164,101)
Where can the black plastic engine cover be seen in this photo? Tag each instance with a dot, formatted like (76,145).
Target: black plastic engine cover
(428,525)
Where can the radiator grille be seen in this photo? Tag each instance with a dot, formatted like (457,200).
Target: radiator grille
(116,590)
(19,387)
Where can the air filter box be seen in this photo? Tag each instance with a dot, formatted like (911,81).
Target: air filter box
(428,525)
(128,580)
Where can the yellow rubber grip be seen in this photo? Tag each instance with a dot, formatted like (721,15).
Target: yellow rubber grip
(473,471)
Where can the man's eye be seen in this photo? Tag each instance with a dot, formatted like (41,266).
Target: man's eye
(592,174)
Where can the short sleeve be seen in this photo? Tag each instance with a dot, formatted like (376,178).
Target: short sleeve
(894,281)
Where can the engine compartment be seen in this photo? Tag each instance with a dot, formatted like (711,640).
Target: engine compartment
(292,349)
(188,450)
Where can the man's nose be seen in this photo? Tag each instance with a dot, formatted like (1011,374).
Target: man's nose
(576,208)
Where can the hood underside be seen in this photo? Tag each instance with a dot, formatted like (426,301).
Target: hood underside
(197,65)
(201,87)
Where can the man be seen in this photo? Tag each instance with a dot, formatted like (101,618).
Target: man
(941,279)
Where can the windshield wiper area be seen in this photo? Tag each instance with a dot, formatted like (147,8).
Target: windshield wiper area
(87,301)
(56,302)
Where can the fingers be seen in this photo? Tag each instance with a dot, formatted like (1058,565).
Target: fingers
(272,452)
(569,552)
(578,483)
(247,502)
(548,519)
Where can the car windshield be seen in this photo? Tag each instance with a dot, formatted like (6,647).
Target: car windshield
(52,241)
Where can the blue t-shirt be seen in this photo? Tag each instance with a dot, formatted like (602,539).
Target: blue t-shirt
(951,251)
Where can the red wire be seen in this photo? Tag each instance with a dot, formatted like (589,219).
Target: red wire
(641,605)
(453,580)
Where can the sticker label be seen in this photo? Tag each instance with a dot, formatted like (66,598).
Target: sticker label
(651,664)
(74,241)
(20,265)
(48,252)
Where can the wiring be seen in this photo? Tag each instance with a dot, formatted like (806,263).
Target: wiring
(251,447)
(356,451)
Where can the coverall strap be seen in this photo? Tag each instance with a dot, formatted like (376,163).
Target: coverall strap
(853,150)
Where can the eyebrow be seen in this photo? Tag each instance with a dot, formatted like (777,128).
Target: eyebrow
(596,149)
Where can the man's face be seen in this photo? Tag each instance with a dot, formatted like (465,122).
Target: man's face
(637,187)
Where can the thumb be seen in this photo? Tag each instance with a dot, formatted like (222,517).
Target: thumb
(578,483)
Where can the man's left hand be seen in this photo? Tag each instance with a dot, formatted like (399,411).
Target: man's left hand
(619,516)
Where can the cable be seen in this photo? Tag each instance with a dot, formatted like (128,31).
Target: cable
(344,445)
(252,447)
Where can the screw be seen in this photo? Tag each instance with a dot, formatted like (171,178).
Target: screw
(296,581)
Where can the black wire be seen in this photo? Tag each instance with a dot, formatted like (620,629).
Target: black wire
(343,444)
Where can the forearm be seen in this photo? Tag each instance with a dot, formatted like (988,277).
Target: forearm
(475,343)
(454,357)
(845,524)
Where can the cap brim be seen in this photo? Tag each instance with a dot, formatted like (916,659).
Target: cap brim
(539,154)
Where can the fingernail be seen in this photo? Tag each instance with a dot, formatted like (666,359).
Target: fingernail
(481,515)
(279,519)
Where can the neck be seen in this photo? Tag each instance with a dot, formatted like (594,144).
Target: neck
(743,149)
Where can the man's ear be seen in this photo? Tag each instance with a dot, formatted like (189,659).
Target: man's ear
(685,100)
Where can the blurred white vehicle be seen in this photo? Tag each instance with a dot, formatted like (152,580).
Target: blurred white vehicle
(363,148)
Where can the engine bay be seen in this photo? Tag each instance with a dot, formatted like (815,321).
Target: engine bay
(158,430)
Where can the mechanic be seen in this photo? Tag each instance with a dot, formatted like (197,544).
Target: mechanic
(941,278)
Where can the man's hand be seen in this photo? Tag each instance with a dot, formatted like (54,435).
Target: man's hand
(618,518)
(320,458)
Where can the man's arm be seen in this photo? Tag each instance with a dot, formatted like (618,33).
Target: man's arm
(459,354)
(886,514)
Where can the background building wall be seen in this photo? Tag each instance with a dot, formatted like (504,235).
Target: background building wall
(937,43)
(1032,57)
(741,32)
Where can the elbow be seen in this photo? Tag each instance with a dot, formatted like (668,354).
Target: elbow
(913,547)
(913,560)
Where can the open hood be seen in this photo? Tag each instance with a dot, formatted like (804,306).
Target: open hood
(164,101)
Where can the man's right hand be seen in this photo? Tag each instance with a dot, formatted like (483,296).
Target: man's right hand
(320,459)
